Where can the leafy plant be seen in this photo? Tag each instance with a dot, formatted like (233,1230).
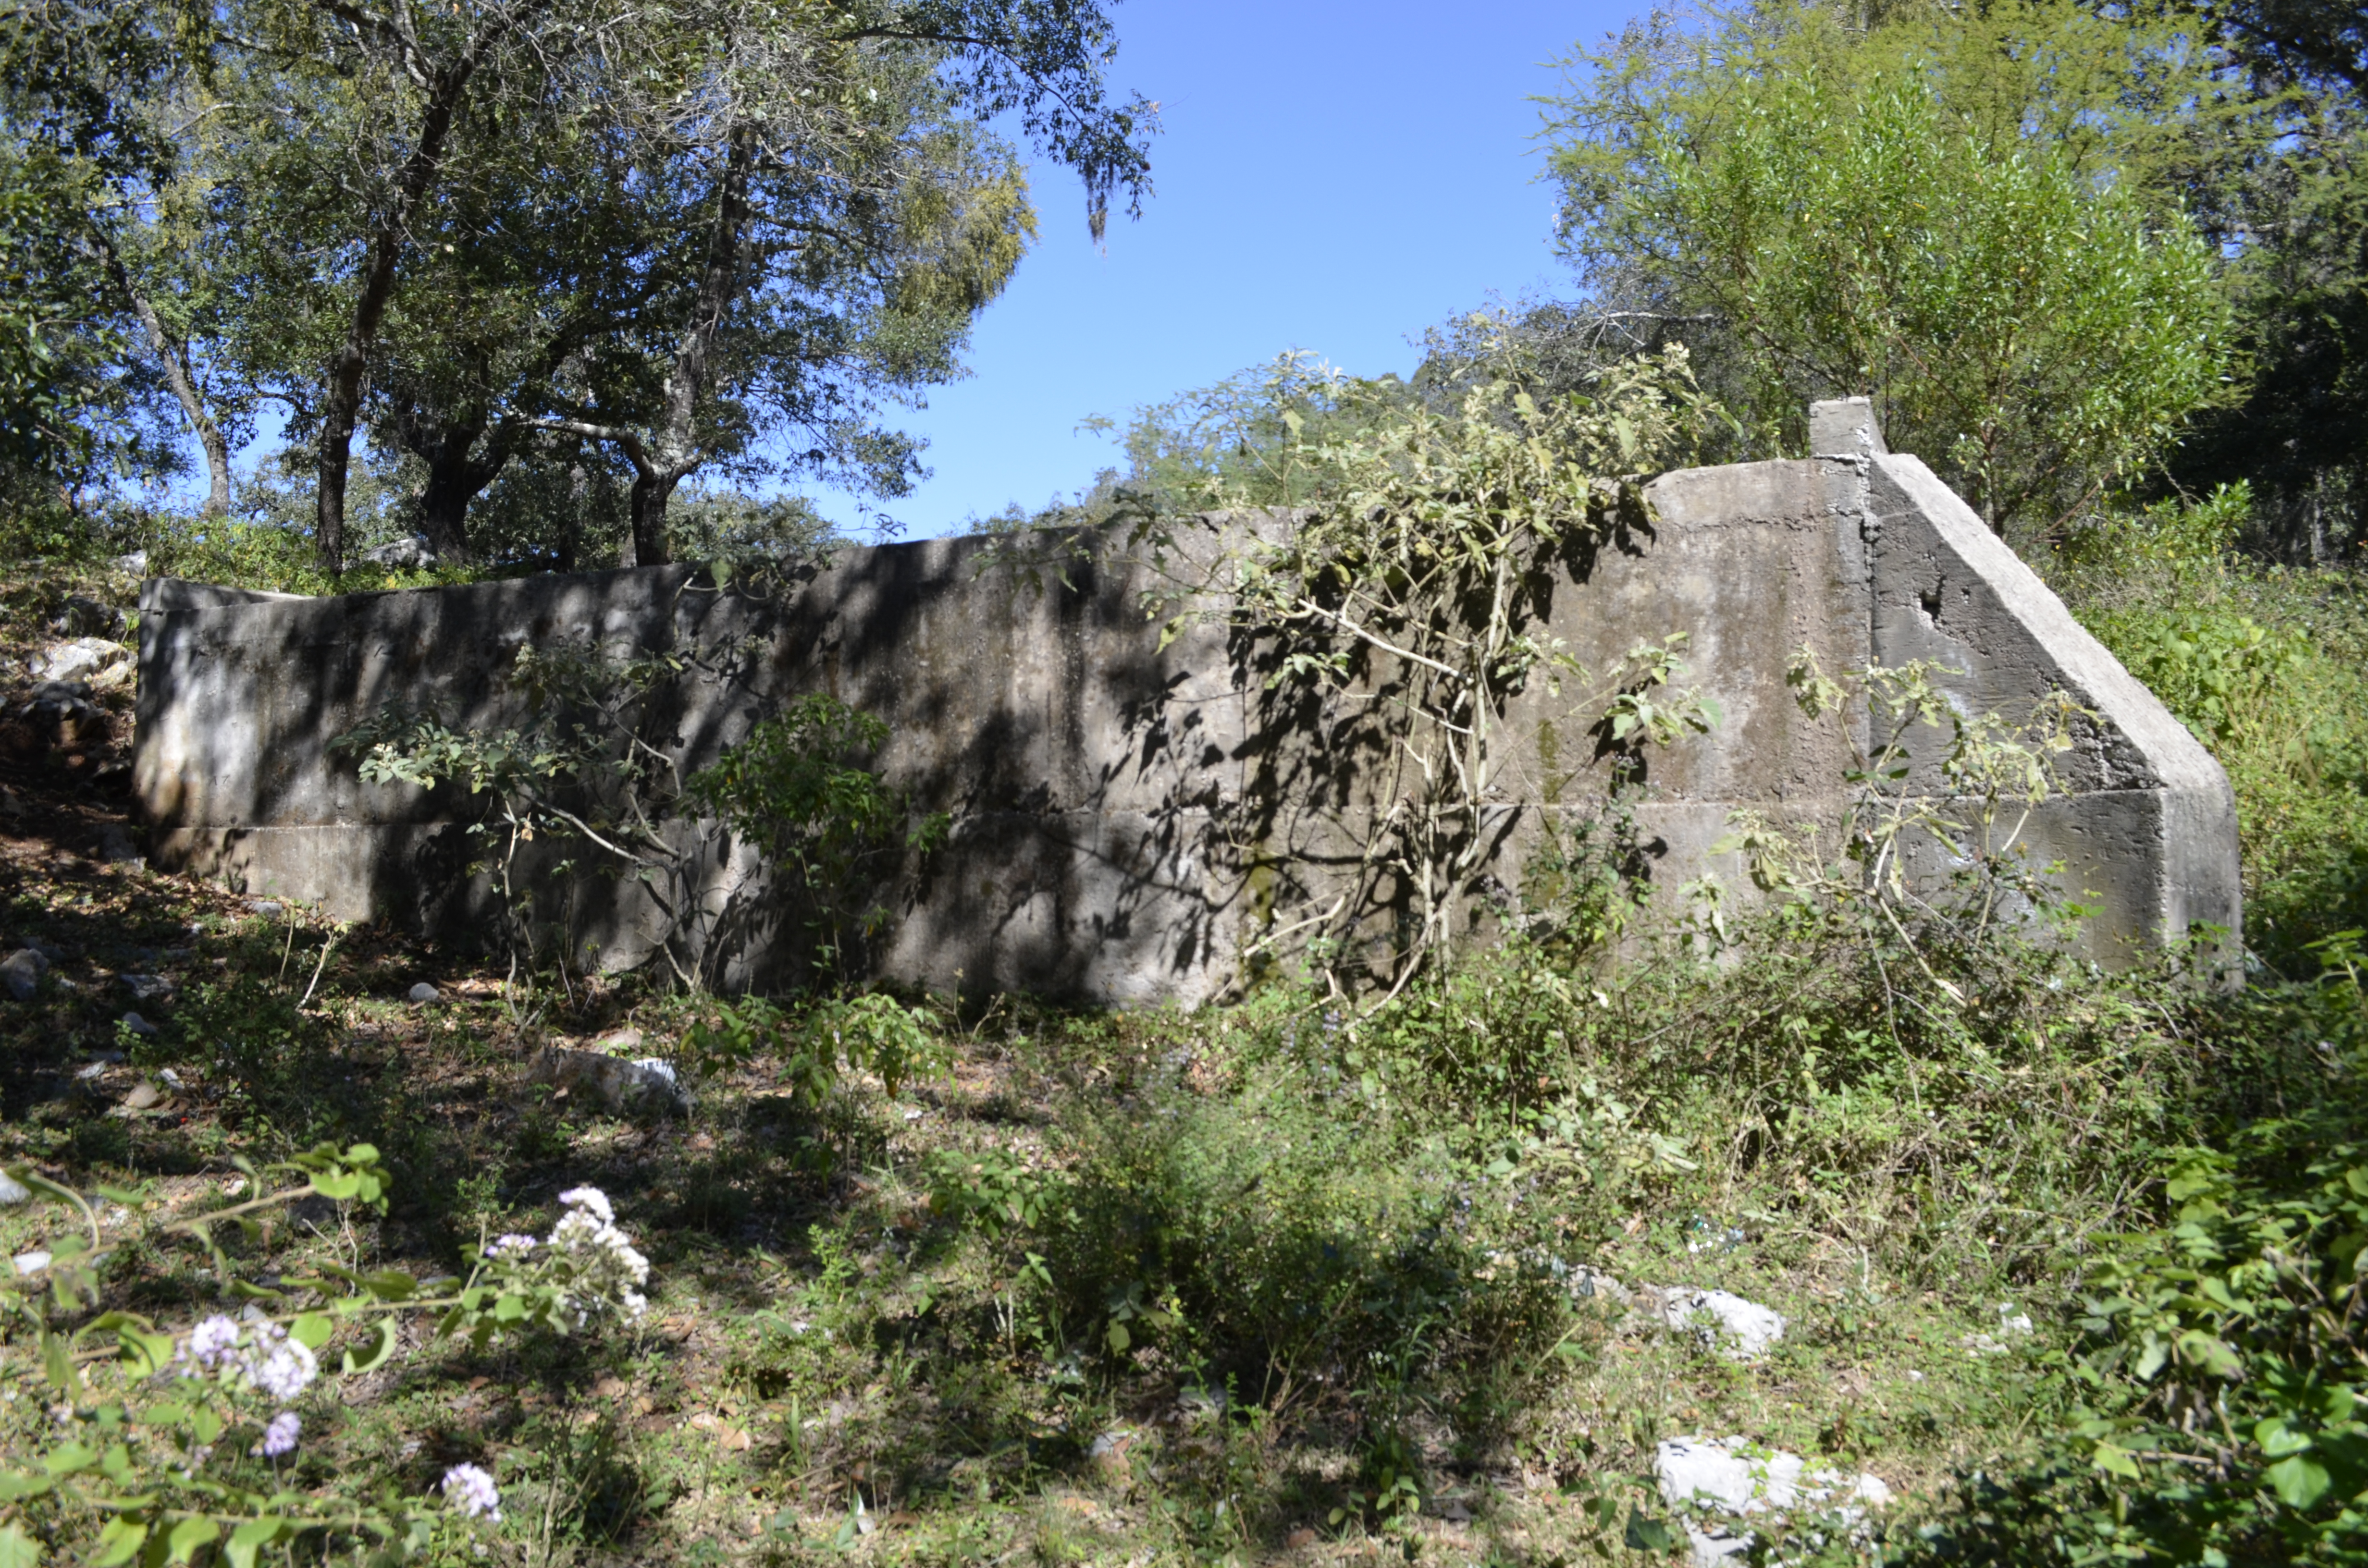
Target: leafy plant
(1411,574)
(165,1448)
(794,790)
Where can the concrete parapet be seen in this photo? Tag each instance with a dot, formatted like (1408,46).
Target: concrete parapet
(1129,817)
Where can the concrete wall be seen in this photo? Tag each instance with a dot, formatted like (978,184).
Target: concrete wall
(1128,816)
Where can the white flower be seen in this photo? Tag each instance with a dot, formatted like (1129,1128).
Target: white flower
(504,1246)
(279,1365)
(210,1342)
(472,1491)
(592,1199)
(279,1438)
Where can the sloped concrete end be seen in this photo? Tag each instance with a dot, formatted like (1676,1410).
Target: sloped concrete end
(2147,817)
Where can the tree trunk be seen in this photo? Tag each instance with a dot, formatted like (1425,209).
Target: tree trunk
(675,453)
(175,358)
(342,396)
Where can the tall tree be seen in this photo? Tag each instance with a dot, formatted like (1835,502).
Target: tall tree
(1974,217)
(674,228)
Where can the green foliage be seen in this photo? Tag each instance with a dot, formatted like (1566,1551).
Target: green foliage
(792,789)
(818,1042)
(2223,1414)
(1410,569)
(2263,664)
(163,1440)
(1903,213)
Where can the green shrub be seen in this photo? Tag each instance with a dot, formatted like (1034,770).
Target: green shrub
(2224,1364)
(2269,667)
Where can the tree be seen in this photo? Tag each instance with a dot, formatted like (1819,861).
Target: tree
(2298,234)
(1976,223)
(83,156)
(495,228)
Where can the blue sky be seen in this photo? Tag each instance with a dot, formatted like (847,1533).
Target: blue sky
(1332,178)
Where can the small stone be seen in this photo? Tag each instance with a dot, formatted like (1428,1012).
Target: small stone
(624,1042)
(147,987)
(31,1262)
(21,972)
(143,1096)
(422,992)
(12,1191)
(139,1025)
(134,564)
(270,909)
(169,1078)
(1736,1329)
(402,554)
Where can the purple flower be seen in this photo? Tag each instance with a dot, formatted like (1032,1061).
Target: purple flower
(279,1438)
(277,1365)
(212,1341)
(503,1246)
(472,1491)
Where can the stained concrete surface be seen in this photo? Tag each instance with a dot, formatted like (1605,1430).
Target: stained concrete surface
(1130,818)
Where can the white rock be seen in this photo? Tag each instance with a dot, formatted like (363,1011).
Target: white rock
(31,1262)
(132,565)
(21,972)
(80,658)
(1715,1485)
(12,1191)
(616,1083)
(1737,1329)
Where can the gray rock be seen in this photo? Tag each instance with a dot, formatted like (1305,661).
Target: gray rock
(139,1025)
(93,659)
(147,987)
(134,564)
(618,1084)
(61,702)
(1715,1485)
(1736,1329)
(21,972)
(88,618)
(422,992)
(116,848)
(269,908)
(402,554)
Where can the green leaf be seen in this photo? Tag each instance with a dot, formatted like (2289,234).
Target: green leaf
(188,1537)
(2115,1460)
(57,1364)
(16,1486)
(1118,1338)
(2299,1481)
(240,1550)
(311,1330)
(16,1548)
(338,1184)
(378,1352)
(119,1542)
(148,1353)
(68,1457)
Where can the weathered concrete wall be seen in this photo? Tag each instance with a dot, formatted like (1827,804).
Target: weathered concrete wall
(1128,816)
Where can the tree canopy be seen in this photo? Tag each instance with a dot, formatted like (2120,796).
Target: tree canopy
(600,243)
